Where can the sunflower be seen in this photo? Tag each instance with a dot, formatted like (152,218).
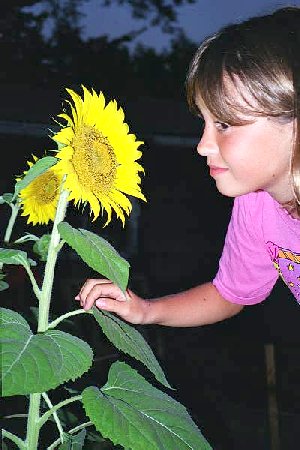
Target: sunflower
(39,199)
(98,155)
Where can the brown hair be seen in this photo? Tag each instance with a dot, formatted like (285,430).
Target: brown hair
(261,57)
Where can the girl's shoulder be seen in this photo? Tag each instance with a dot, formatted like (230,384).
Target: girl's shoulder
(259,208)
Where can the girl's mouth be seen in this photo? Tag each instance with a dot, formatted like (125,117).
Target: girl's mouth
(214,171)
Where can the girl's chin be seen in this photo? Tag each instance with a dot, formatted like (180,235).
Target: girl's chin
(231,191)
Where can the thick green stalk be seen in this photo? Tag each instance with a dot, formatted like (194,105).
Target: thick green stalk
(50,264)
(33,427)
(33,430)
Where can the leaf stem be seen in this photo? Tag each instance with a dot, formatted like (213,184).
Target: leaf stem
(65,316)
(59,405)
(72,431)
(14,438)
(14,212)
(17,416)
(55,417)
(34,284)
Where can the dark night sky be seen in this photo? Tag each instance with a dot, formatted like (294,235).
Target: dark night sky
(197,20)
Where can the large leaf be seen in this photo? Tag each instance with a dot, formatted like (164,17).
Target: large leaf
(35,170)
(97,253)
(131,412)
(127,339)
(38,362)
(18,257)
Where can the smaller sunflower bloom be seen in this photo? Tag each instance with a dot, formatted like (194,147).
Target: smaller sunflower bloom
(99,155)
(39,199)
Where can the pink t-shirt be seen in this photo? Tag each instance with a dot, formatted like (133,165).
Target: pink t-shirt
(262,243)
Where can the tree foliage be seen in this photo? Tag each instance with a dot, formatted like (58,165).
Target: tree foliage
(63,57)
(161,12)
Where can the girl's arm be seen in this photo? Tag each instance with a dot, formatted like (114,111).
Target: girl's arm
(200,305)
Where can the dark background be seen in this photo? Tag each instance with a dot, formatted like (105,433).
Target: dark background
(172,242)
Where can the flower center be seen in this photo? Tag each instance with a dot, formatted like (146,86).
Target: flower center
(94,159)
(45,187)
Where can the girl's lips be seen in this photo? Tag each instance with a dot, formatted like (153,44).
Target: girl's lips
(213,171)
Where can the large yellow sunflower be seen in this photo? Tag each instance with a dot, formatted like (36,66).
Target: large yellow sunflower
(98,155)
(39,199)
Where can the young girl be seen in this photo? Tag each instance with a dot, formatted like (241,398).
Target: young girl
(244,82)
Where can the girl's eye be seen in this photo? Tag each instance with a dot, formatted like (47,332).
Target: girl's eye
(222,126)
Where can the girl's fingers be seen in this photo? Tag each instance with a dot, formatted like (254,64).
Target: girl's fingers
(102,291)
(88,285)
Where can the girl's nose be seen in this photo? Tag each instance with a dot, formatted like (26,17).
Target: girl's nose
(207,145)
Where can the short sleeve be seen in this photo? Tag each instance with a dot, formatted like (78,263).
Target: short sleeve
(246,274)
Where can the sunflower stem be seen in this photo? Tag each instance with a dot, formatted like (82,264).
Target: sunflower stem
(33,429)
(51,261)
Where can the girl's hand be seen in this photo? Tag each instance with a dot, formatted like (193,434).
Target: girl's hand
(109,297)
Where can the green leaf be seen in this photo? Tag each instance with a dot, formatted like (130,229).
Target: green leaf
(3,284)
(6,198)
(131,412)
(97,253)
(73,441)
(41,247)
(27,237)
(38,362)
(35,170)
(127,339)
(18,257)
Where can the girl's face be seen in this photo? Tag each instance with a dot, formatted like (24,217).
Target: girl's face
(250,157)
